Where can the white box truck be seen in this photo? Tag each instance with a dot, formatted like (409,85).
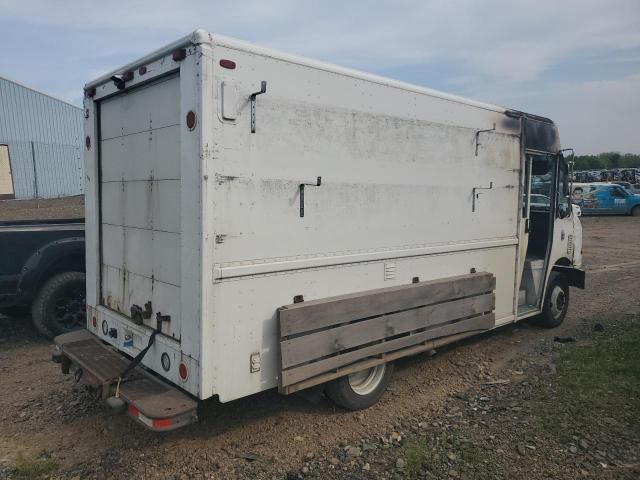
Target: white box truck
(258,220)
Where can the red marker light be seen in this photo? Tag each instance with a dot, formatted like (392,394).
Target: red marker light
(94,321)
(184,373)
(230,64)
(161,423)
(142,70)
(191,120)
(179,54)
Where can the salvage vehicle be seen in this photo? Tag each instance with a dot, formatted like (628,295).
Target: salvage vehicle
(605,199)
(257,220)
(42,268)
(632,188)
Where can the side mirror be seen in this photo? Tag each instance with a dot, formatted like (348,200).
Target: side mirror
(577,210)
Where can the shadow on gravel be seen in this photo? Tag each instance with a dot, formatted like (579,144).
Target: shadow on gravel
(16,327)
(217,418)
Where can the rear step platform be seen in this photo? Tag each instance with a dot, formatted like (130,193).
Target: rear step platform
(153,402)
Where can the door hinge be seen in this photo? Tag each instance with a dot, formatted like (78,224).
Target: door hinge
(301,187)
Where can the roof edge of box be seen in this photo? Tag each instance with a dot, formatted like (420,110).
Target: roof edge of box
(197,37)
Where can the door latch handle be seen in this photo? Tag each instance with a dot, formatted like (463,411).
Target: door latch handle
(476,195)
(301,187)
(160,318)
(252,100)
(478,132)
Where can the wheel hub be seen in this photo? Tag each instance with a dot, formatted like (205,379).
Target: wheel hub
(558,301)
(366,381)
(69,310)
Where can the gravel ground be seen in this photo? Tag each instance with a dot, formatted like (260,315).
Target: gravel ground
(469,403)
(43,209)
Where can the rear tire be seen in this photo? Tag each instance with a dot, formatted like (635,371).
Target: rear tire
(556,302)
(60,305)
(362,389)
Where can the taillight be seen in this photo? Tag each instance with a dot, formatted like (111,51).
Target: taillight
(179,54)
(94,321)
(184,373)
(230,64)
(161,423)
(154,423)
(191,120)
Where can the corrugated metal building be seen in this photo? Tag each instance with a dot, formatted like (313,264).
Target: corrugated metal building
(40,144)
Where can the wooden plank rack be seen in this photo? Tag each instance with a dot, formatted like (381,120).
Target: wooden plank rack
(331,337)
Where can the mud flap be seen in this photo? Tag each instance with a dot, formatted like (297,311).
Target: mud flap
(153,402)
(575,276)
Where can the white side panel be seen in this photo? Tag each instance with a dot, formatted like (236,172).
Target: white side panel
(389,179)
(398,172)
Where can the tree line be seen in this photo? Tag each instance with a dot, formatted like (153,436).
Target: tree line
(606,161)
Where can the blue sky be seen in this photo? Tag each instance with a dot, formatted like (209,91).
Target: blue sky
(576,61)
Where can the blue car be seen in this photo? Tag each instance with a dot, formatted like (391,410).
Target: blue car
(605,199)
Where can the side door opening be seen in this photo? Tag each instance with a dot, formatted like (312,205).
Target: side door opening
(538,210)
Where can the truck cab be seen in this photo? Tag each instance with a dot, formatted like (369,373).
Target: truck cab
(550,252)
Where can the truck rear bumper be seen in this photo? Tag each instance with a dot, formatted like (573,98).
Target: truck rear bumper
(151,401)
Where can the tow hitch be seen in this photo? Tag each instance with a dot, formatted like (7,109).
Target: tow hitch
(156,404)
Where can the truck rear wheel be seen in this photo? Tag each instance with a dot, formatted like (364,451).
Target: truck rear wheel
(361,389)
(60,305)
(556,302)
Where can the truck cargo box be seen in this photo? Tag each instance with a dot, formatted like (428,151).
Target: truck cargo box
(228,184)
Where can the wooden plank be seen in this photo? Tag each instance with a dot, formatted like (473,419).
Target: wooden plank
(315,314)
(372,362)
(327,342)
(297,374)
